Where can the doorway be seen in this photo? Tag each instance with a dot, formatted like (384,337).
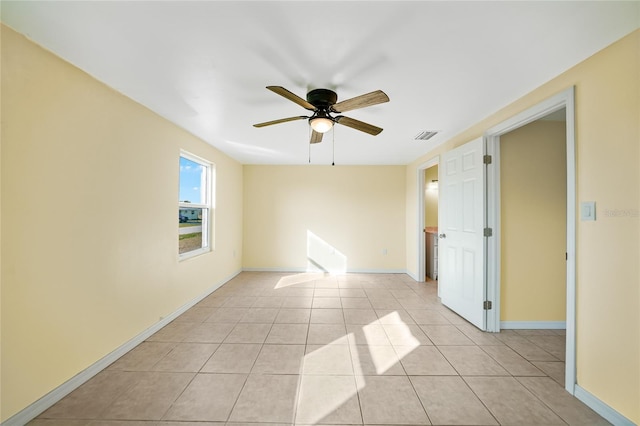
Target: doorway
(492,274)
(563,101)
(422,187)
(533,224)
(431,222)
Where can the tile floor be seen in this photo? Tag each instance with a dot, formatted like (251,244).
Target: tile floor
(311,349)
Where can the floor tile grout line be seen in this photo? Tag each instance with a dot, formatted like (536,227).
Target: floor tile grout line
(480,399)
(162,418)
(419,399)
(235,402)
(540,399)
(447,359)
(355,381)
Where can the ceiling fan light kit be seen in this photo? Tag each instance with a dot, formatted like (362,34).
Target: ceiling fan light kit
(321,124)
(323,103)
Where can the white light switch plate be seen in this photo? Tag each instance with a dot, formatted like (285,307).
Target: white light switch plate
(588,210)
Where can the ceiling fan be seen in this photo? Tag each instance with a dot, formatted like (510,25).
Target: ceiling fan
(323,103)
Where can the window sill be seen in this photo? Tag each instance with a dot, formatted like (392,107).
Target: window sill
(193,253)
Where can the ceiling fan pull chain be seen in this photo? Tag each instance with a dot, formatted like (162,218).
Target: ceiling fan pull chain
(333,147)
(309,151)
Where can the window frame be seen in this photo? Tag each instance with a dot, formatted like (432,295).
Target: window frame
(207,205)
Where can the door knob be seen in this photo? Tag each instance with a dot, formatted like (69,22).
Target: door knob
(442,235)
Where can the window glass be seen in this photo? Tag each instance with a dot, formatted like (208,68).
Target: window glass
(192,182)
(194,205)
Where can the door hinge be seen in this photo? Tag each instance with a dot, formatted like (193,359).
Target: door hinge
(488,232)
(487,159)
(487,305)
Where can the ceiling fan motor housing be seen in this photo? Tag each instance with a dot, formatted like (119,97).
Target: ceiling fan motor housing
(322,98)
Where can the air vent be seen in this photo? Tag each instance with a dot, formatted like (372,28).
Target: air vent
(425,135)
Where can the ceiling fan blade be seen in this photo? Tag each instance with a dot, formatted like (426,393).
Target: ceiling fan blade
(292,97)
(358,125)
(361,101)
(282,120)
(316,137)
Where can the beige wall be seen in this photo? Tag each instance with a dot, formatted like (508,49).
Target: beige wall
(89,230)
(430,197)
(358,210)
(608,153)
(533,222)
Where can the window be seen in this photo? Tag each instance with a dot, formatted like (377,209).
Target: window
(194,205)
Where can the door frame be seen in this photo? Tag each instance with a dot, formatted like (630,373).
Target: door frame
(422,255)
(564,99)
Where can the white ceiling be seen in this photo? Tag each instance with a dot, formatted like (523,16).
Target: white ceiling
(204,65)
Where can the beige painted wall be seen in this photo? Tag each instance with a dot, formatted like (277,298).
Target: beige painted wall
(430,197)
(533,222)
(358,210)
(608,272)
(89,230)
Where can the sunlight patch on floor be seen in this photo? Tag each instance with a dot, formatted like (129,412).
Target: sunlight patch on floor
(383,358)
(291,280)
(409,340)
(328,388)
(325,397)
(357,367)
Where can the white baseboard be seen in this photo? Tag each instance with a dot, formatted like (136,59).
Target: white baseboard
(36,408)
(283,270)
(533,325)
(414,276)
(611,415)
(378,271)
(308,270)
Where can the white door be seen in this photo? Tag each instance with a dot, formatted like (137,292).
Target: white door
(461,222)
